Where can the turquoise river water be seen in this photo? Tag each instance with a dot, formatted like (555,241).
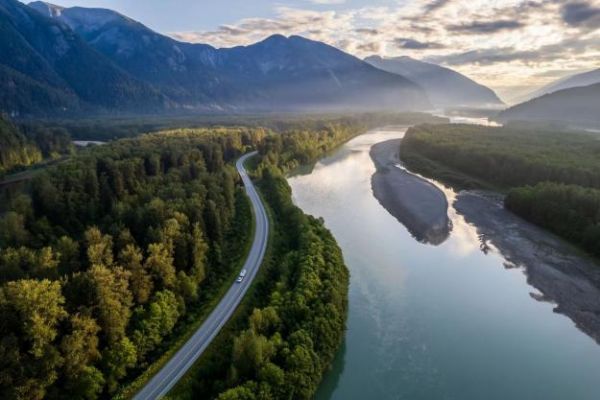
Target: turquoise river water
(436,322)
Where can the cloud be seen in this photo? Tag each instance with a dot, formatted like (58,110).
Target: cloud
(504,43)
(434,5)
(408,43)
(484,56)
(367,31)
(479,27)
(571,47)
(581,13)
(370,47)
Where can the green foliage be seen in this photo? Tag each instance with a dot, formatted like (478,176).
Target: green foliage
(132,238)
(553,177)
(156,321)
(285,345)
(31,312)
(15,149)
(570,211)
(23,146)
(508,156)
(117,237)
(292,339)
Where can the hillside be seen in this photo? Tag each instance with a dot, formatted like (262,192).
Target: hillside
(578,80)
(445,87)
(48,68)
(580,106)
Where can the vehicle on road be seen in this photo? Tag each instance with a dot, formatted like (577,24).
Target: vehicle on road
(181,362)
(241,276)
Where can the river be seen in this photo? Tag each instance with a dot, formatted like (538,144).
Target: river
(436,322)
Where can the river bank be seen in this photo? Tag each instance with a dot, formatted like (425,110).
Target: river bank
(441,322)
(413,201)
(565,277)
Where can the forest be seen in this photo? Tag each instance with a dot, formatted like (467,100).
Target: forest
(106,257)
(551,177)
(106,129)
(507,156)
(104,254)
(570,211)
(284,339)
(21,147)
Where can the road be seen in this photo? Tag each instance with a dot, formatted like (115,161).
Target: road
(181,362)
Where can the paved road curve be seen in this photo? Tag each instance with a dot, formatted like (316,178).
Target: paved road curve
(168,376)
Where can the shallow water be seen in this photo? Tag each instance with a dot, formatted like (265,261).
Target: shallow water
(436,322)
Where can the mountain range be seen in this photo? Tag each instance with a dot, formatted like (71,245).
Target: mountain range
(571,81)
(576,105)
(46,66)
(445,87)
(80,60)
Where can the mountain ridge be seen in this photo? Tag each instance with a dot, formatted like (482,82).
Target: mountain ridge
(444,86)
(577,80)
(48,56)
(278,73)
(577,105)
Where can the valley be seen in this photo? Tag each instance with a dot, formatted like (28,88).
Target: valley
(323,199)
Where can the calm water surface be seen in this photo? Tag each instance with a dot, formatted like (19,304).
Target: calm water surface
(446,322)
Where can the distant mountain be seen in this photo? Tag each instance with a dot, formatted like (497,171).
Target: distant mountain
(308,74)
(579,105)
(278,73)
(444,86)
(46,67)
(578,80)
(182,71)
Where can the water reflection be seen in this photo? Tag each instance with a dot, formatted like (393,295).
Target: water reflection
(445,322)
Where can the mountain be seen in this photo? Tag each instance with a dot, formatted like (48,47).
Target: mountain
(278,73)
(444,86)
(578,80)
(308,74)
(45,67)
(579,105)
(182,71)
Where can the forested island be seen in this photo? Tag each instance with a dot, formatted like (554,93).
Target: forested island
(551,177)
(111,256)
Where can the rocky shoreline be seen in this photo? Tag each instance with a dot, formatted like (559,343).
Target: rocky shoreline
(419,205)
(564,276)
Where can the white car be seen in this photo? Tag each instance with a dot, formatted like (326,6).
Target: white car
(241,277)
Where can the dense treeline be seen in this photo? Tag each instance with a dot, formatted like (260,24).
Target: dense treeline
(507,156)
(106,129)
(15,149)
(287,331)
(104,256)
(552,177)
(292,339)
(570,211)
(107,252)
(25,146)
(280,346)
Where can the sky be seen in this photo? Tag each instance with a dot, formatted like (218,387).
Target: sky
(513,46)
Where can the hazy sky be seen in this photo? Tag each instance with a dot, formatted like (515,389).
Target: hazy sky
(510,45)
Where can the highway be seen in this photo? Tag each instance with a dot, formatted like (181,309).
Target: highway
(181,362)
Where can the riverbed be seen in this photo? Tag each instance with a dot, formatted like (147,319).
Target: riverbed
(447,321)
